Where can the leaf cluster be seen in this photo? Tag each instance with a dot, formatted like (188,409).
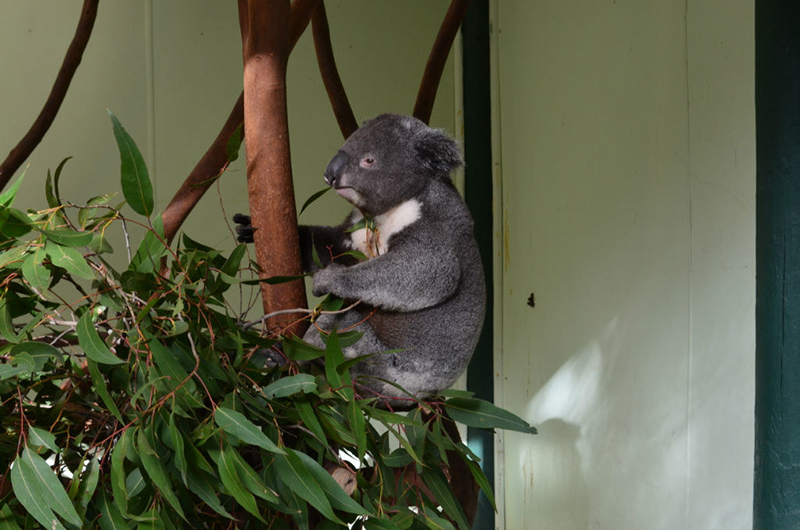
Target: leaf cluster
(137,398)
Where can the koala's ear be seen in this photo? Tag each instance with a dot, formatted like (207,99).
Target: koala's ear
(438,151)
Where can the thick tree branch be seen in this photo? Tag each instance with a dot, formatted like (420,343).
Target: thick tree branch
(437,59)
(215,160)
(266,42)
(72,59)
(330,75)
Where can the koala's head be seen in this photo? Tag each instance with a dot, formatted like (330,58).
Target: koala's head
(389,160)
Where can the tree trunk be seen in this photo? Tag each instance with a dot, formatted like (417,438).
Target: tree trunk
(265,48)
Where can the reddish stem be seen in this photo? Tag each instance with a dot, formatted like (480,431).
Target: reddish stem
(330,75)
(437,59)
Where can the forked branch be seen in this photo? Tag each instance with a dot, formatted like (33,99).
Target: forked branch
(215,160)
(40,126)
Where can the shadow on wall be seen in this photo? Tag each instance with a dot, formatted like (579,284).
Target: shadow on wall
(608,446)
(565,491)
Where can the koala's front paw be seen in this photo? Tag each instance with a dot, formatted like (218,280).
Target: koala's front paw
(325,280)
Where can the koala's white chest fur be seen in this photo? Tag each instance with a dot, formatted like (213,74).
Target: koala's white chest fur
(375,242)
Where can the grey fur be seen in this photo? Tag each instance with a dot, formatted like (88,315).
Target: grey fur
(424,281)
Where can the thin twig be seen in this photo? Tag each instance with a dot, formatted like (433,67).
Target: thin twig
(40,126)
(437,59)
(330,75)
(248,325)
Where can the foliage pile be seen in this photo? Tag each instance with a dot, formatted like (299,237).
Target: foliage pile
(136,399)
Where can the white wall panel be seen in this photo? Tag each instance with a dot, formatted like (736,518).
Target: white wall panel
(628,216)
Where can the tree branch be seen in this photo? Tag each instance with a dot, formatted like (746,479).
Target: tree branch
(266,42)
(437,59)
(40,126)
(215,160)
(330,75)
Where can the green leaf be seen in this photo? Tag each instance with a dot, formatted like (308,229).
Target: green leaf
(168,365)
(313,198)
(69,259)
(234,143)
(336,495)
(200,486)
(250,479)
(298,350)
(29,493)
(39,438)
(231,265)
(6,327)
(110,518)
(39,352)
(136,186)
(340,382)
(7,519)
(37,274)
(13,255)
(99,383)
(91,343)
(356,419)
(474,412)
(14,223)
(392,417)
(69,238)
(437,483)
(310,420)
(373,523)
(87,485)
(152,248)
(7,197)
(237,424)
(294,474)
(452,392)
(398,458)
(118,485)
(177,443)
(51,191)
(157,473)
(230,479)
(480,479)
(288,386)
(54,495)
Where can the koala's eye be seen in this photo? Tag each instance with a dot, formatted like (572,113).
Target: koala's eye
(367,161)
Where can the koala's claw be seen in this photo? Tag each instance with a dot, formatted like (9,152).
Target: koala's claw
(244,230)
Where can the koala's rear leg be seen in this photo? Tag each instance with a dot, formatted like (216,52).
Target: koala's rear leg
(354,320)
(388,366)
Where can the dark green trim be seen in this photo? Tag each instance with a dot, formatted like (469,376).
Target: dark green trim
(478,192)
(776,499)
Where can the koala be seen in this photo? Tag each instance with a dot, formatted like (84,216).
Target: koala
(421,286)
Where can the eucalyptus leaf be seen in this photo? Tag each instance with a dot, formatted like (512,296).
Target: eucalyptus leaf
(288,386)
(136,186)
(294,474)
(474,412)
(70,259)
(91,343)
(29,493)
(53,492)
(157,472)
(238,425)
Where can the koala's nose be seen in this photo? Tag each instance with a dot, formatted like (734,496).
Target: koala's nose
(334,170)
